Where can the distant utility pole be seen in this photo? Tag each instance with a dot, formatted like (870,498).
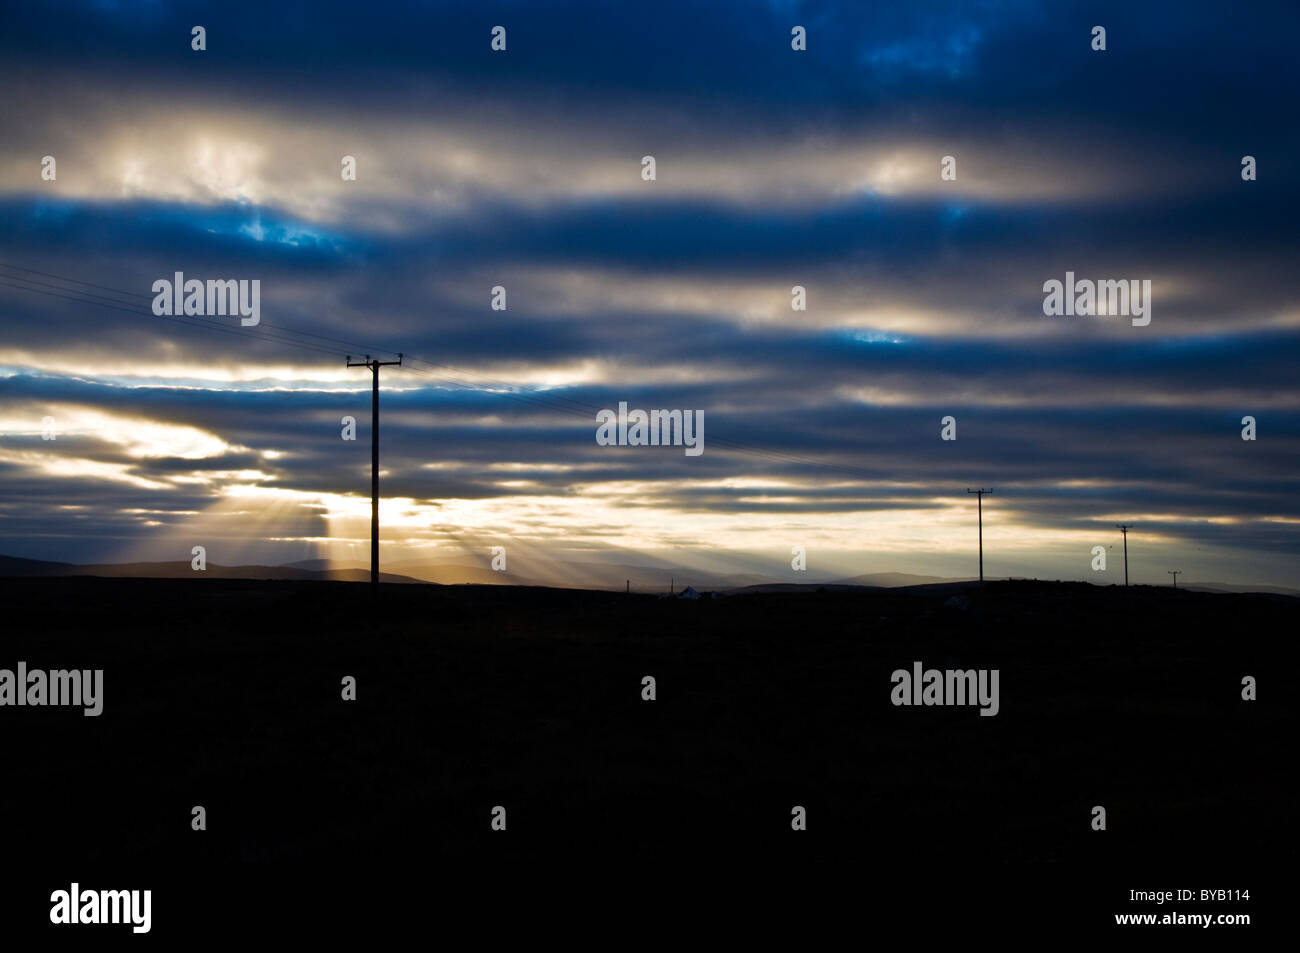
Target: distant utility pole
(1174,573)
(374,462)
(979,494)
(1124,528)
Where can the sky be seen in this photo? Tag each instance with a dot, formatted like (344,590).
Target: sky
(774,168)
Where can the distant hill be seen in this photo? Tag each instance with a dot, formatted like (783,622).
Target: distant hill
(16,566)
(557,574)
(1222,587)
(563,574)
(892,580)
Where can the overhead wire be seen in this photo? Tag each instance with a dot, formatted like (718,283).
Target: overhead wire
(323,344)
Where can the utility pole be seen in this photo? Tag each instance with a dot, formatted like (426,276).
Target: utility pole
(979,495)
(1124,528)
(1174,573)
(374,462)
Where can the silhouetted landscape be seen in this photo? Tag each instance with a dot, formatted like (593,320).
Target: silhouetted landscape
(226,694)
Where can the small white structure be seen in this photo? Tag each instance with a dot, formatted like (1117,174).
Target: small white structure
(689,593)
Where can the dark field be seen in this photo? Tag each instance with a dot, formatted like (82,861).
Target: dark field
(226,694)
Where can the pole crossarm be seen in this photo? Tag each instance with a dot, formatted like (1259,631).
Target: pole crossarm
(369,363)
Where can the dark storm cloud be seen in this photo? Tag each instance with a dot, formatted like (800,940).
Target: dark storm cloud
(983,262)
(1023,57)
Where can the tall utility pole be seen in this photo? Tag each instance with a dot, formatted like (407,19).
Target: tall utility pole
(1124,528)
(979,494)
(374,462)
(1174,573)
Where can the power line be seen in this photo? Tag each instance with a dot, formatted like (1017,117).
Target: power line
(178,320)
(134,294)
(291,337)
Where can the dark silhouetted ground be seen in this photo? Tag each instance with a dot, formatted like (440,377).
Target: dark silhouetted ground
(226,694)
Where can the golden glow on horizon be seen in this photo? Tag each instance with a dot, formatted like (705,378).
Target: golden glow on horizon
(137,437)
(53,465)
(627,515)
